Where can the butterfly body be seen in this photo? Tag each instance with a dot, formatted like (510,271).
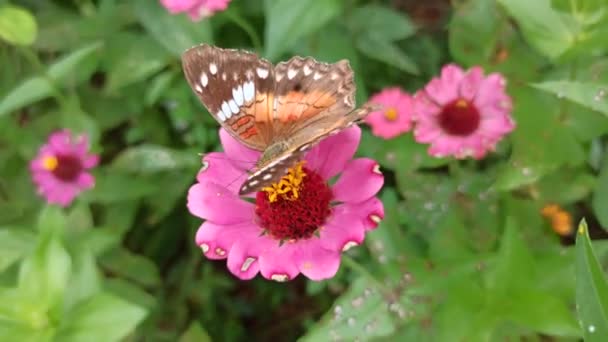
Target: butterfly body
(280,110)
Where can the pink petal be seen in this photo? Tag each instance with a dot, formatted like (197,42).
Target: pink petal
(370,212)
(216,240)
(243,260)
(218,169)
(344,230)
(470,83)
(278,262)
(240,155)
(60,141)
(330,156)
(217,204)
(176,6)
(85,181)
(316,262)
(360,180)
(90,161)
(444,89)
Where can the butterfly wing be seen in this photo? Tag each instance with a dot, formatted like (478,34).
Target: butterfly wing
(307,91)
(236,87)
(312,101)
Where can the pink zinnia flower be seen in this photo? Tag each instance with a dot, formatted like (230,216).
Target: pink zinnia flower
(395,117)
(196,9)
(282,234)
(60,168)
(462,113)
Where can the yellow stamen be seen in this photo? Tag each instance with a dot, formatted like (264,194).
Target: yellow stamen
(391,114)
(50,163)
(289,186)
(462,103)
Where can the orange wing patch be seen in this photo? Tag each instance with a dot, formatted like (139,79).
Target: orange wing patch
(297,105)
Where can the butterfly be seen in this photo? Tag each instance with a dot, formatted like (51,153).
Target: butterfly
(281,110)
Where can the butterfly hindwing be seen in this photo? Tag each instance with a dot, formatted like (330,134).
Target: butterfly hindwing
(307,90)
(236,88)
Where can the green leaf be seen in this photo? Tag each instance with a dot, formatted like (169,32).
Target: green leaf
(543,27)
(590,95)
(195,333)
(175,32)
(287,21)
(154,158)
(600,197)
(85,280)
(514,268)
(115,187)
(103,317)
(123,262)
(379,49)
(473,31)
(381,21)
(52,219)
(591,289)
(541,142)
(133,58)
(17,25)
(15,243)
(40,87)
(44,275)
(360,311)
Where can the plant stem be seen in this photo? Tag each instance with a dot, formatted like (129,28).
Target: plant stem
(245,26)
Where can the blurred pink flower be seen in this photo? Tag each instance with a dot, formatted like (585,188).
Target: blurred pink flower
(60,168)
(395,117)
(463,114)
(301,231)
(196,9)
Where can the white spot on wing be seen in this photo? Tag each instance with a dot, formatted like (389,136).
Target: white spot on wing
(278,77)
(291,73)
(263,73)
(204,79)
(307,70)
(253,183)
(226,110)
(224,76)
(334,76)
(233,107)
(248,91)
(317,76)
(198,88)
(220,115)
(237,95)
(267,176)
(213,68)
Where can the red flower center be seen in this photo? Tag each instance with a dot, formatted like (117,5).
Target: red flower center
(67,168)
(298,212)
(459,117)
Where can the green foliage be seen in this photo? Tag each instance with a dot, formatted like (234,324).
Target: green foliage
(591,289)
(464,252)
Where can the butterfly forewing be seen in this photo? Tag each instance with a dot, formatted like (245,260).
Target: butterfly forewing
(236,87)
